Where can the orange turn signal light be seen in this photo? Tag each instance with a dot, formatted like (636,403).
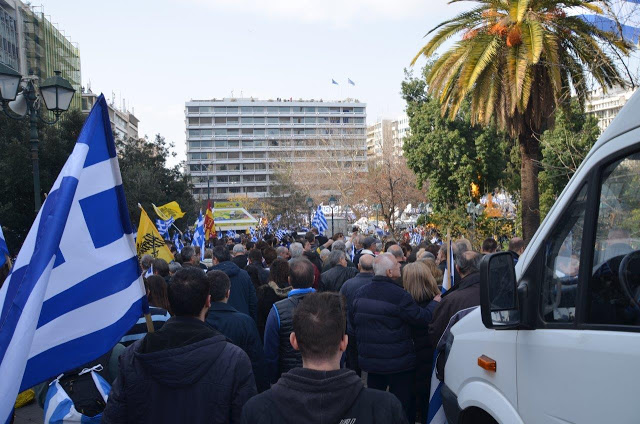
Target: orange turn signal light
(487,363)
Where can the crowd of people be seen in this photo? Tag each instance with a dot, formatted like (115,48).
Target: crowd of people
(303,329)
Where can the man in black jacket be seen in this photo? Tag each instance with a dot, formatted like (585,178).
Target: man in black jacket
(464,294)
(333,279)
(321,392)
(184,372)
(280,356)
(243,293)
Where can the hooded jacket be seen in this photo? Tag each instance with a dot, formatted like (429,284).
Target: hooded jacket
(185,372)
(333,279)
(324,397)
(243,293)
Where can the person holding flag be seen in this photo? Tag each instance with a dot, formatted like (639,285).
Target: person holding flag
(198,235)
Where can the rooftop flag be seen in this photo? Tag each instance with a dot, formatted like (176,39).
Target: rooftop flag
(76,287)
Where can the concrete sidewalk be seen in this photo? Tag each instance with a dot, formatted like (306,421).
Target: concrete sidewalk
(29,414)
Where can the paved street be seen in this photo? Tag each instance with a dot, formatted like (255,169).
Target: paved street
(31,413)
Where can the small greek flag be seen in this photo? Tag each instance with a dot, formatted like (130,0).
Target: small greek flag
(231,234)
(177,242)
(4,250)
(149,272)
(449,277)
(198,235)
(254,235)
(334,82)
(281,234)
(319,221)
(416,239)
(76,287)
(163,226)
(350,82)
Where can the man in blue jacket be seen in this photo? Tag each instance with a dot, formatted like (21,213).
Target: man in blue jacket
(382,316)
(186,371)
(243,293)
(238,327)
(280,356)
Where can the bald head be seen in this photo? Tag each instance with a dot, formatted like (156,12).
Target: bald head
(383,264)
(366,263)
(396,250)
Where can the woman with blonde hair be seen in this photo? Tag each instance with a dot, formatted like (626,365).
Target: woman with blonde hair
(418,280)
(435,271)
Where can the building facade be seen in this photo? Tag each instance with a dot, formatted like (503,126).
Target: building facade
(386,137)
(124,124)
(235,145)
(605,107)
(33,45)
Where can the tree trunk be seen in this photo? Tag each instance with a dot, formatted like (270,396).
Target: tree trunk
(529,154)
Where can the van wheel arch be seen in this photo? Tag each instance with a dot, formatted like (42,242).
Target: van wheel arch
(475,415)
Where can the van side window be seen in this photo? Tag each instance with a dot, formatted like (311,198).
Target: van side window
(614,288)
(562,263)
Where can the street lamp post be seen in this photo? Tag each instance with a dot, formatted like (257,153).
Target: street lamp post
(56,92)
(377,207)
(310,206)
(332,203)
(475,211)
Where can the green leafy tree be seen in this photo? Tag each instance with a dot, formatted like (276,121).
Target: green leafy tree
(518,61)
(449,155)
(147,179)
(563,149)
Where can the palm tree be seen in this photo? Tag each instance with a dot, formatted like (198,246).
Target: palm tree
(517,61)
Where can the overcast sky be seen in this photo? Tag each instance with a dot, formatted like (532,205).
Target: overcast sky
(158,54)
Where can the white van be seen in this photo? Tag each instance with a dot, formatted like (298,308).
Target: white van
(558,339)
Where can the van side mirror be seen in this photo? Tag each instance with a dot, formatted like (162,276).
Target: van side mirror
(499,291)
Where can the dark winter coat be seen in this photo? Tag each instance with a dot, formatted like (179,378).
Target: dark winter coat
(383,314)
(424,352)
(308,396)
(267,296)
(243,293)
(263,274)
(185,372)
(333,279)
(240,260)
(349,290)
(313,256)
(463,295)
(242,332)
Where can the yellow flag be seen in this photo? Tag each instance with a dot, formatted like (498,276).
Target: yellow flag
(149,240)
(168,210)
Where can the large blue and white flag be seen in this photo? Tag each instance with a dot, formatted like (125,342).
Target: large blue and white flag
(4,250)
(198,235)
(163,226)
(76,287)
(319,221)
(629,33)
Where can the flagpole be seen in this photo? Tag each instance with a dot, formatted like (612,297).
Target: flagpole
(449,247)
(145,300)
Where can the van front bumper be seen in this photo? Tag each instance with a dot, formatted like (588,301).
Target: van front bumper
(450,405)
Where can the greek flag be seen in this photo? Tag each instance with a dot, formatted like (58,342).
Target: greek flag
(163,226)
(281,234)
(449,277)
(319,221)
(76,287)
(254,235)
(350,82)
(334,81)
(198,235)
(231,234)
(4,250)
(416,239)
(177,242)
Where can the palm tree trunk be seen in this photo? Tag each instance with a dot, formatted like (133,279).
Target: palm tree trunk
(529,153)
